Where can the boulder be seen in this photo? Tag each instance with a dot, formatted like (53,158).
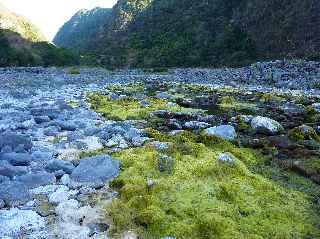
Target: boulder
(56,165)
(225,158)
(95,171)
(227,132)
(34,180)
(17,159)
(266,126)
(7,170)
(13,141)
(14,193)
(194,125)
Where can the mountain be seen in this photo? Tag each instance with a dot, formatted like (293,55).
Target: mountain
(186,33)
(82,28)
(23,44)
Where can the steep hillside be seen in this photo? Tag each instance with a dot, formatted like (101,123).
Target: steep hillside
(22,44)
(82,28)
(151,33)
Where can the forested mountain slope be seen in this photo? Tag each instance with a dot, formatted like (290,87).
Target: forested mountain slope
(82,28)
(23,44)
(154,33)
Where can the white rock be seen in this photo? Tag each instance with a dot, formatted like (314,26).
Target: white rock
(61,195)
(224,157)
(13,221)
(65,179)
(224,131)
(266,125)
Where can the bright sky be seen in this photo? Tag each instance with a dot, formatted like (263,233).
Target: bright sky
(50,15)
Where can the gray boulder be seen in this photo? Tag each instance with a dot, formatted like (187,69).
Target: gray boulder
(95,171)
(6,169)
(266,126)
(15,141)
(223,131)
(17,159)
(14,193)
(56,165)
(34,180)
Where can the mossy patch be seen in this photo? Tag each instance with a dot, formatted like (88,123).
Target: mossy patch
(129,108)
(205,198)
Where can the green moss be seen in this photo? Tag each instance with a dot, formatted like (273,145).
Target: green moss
(227,100)
(129,108)
(270,97)
(74,71)
(204,198)
(74,104)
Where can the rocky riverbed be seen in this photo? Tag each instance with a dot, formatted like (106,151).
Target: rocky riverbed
(71,146)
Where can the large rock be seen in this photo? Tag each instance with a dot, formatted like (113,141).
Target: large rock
(14,193)
(223,131)
(95,171)
(15,142)
(6,169)
(34,180)
(14,223)
(266,125)
(17,159)
(56,165)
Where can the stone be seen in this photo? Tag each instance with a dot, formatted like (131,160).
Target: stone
(166,164)
(14,223)
(95,171)
(65,179)
(34,180)
(13,140)
(7,170)
(159,145)
(51,131)
(75,221)
(49,112)
(61,195)
(225,158)
(227,132)
(4,179)
(194,125)
(17,159)
(56,165)
(316,107)
(41,119)
(65,125)
(266,126)
(14,193)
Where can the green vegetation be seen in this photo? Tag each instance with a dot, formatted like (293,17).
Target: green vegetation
(205,198)
(82,28)
(154,33)
(74,71)
(22,44)
(129,108)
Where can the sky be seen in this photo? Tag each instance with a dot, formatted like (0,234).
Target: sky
(50,15)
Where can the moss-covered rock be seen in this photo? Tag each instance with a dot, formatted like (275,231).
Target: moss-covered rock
(303,132)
